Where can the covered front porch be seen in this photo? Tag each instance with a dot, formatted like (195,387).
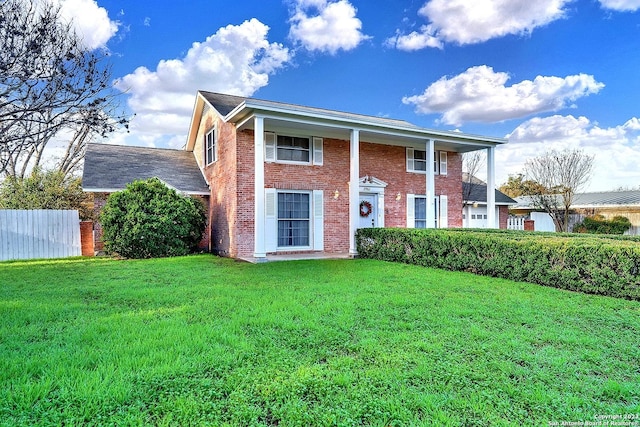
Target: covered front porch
(264,117)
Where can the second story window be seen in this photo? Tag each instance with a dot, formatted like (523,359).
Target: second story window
(417,161)
(293,149)
(210,147)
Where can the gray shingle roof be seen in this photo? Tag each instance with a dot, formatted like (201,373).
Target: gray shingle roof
(593,200)
(607,198)
(224,104)
(478,193)
(112,167)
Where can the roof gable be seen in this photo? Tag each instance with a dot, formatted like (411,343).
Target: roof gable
(223,104)
(109,168)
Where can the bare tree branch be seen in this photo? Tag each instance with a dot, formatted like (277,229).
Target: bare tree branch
(561,174)
(472,163)
(49,82)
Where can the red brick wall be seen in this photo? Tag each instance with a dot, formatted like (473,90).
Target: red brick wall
(99,200)
(332,176)
(86,238)
(222,177)
(503,216)
(385,162)
(244,229)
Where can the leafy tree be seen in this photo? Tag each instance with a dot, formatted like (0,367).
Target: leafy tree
(561,174)
(50,85)
(44,190)
(148,219)
(517,186)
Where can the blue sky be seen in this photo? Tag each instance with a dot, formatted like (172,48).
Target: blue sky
(547,74)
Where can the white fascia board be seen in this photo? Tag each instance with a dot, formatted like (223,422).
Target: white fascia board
(471,202)
(101,190)
(198,107)
(113,190)
(335,120)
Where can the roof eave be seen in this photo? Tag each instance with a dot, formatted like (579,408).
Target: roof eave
(196,117)
(113,190)
(251,108)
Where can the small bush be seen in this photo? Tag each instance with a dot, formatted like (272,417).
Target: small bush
(599,225)
(589,264)
(148,220)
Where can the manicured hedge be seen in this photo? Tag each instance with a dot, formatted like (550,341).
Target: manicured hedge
(597,265)
(600,225)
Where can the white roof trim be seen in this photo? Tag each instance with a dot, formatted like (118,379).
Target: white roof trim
(113,190)
(263,108)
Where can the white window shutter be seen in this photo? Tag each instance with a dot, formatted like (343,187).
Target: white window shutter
(318,151)
(271,219)
(410,166)
(318,220)
(443,163)
(411,211)
(444,212)
(269,147)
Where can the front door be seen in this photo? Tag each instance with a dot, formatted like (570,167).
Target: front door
(368,210)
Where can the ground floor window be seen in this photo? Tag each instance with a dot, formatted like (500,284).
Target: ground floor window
(294,213)
(420,211)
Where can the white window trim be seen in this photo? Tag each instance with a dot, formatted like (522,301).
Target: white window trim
(316,220)
(309,219)
(316,149)
(441,208)
(214,152)
(440,162)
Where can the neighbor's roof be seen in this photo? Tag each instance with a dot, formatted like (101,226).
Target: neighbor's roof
(109,168)
(600,199)
(607,198)
(478,193)
(332,123)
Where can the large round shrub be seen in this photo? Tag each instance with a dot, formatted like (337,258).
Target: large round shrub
(148,219)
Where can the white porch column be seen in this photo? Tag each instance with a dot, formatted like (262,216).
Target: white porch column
(260,248)
(430,185)
(354,189)
(491,185)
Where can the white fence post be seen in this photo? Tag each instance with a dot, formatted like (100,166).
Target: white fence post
(515,223)
(27,234)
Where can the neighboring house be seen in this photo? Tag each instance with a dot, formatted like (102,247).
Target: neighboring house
(474,213)
(607,203)
(109,168)
(293,179)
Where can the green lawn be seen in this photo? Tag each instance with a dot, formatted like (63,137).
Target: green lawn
(208,341)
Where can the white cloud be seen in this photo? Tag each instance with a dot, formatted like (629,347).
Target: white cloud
(616,149)
(481,95)
(147,21)
(468,22)
(621,5)
(90,20)
(415,40)
(333,27)
(237,60)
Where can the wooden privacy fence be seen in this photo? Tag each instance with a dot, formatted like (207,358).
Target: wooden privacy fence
(26,234)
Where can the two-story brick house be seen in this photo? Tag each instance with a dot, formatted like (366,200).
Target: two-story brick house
(286,178)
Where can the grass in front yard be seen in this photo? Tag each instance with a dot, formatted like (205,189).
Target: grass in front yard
(208,341)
